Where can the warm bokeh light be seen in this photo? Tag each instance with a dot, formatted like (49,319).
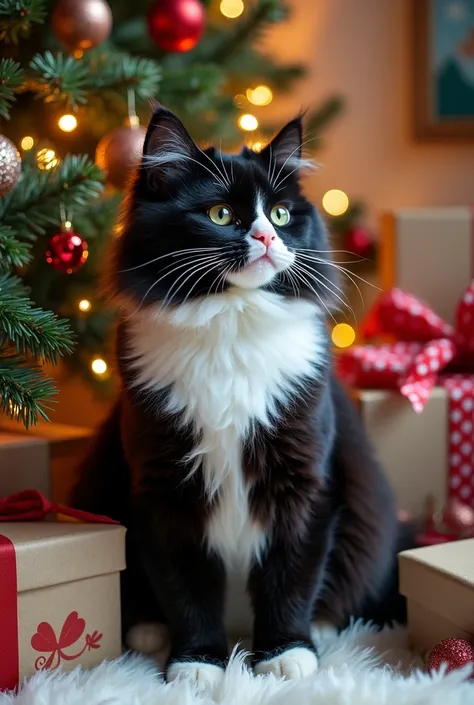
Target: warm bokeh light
(240,101)
(343,335)
(335,202)
(256,145)
(67,123)
(84,305)
(232,8)
(47,159)
(248,122)
(261,95)
(99,366)
(27,142)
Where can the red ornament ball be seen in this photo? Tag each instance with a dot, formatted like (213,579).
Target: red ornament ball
(359,241)
(459,517)
(176,25)
(456,653)
(67,252)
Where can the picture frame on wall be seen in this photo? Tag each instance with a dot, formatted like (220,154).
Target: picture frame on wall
(443,38)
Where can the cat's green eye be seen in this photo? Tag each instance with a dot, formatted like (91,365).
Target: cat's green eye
(221,214)
(280,215)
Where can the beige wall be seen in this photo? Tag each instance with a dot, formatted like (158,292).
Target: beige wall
(361,50)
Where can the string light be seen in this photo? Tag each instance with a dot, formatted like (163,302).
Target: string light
(27,142)
(47,159)
(343,335)
(335,202)
(261,95)
(67,123)
(98,366)
(240,101)
(84,305)
(256,145)
(232,8)
(248,122)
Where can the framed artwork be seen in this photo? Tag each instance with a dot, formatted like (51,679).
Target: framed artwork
(444,69)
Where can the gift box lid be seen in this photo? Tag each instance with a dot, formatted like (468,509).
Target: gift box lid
(54,552)
(63,439)
(441,579)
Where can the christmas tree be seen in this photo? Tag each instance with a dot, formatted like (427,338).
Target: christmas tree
(77,78)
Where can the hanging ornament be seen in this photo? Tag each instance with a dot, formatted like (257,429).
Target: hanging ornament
(359,241)
(455,653)
(10,165)
(67,251)
(79,26)
(176,25)
(119,153)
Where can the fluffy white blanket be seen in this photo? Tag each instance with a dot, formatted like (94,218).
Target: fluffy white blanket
(358,667)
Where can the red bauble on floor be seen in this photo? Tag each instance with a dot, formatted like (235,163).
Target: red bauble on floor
(456,653)
(176,25)
(67,251)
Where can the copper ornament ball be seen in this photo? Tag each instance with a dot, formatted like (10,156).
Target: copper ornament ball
(119,153)
(10,165)
(81,24)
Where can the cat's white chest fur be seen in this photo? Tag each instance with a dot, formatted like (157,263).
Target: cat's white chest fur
(228,360)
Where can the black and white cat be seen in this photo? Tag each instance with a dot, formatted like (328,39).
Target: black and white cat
(231,443)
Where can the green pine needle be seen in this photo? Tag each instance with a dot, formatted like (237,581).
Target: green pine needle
(11,80)
(60,78)
(18,16)
(23,390)
(31,330)
(13,252)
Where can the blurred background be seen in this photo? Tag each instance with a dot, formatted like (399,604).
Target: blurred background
(388,90)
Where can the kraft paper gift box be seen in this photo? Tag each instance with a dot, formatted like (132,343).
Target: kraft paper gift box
(59,596)
(44,457)
(430,253)
(413,449)
(438,582)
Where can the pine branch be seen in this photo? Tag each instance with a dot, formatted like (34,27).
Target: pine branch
(18,16)
(31,330)
(201,81)
(263,13)
(320,118)
(118,71)
(13,252)
(59,78)
(34,203)
(23,390)
(11,80)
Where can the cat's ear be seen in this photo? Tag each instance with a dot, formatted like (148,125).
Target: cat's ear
(286,147)
(168,147)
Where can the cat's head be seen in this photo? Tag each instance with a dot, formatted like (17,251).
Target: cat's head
(199,221)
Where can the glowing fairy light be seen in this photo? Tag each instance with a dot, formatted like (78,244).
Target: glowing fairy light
(335,202)
(84,305)
(232,8)
(343,335)
(67,123)
(248,122)
(27,143)
(99,366)
(261,95)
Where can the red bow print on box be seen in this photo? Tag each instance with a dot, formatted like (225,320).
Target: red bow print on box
(72,630)
(427,351)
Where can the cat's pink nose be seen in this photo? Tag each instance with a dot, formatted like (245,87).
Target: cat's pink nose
(266,237)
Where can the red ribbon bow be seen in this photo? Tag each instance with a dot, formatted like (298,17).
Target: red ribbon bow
(426,346)
(31,505)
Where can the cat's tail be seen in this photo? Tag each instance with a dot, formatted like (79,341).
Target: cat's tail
(363,578)
(103,480)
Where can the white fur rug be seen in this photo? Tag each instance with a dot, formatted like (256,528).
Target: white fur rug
(358,667)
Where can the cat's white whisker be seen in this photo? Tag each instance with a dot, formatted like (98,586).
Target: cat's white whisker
(208,266)
(312,275)
(320,275)
(274,182)
(299,275)
(177,268)
(169,254)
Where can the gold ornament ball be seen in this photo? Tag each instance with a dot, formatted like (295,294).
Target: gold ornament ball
(119,153)
(10,165)
(81,25)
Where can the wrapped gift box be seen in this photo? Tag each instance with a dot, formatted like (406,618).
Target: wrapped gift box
(43,457)
(59,596)
(430,253)
(438,582)
(413,449)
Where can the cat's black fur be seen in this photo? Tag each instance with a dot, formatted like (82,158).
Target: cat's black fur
(317,489)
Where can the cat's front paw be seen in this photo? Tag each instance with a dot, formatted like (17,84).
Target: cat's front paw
(205,676)
(297,662)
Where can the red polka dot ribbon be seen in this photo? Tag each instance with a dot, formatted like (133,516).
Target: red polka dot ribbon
(425,346)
